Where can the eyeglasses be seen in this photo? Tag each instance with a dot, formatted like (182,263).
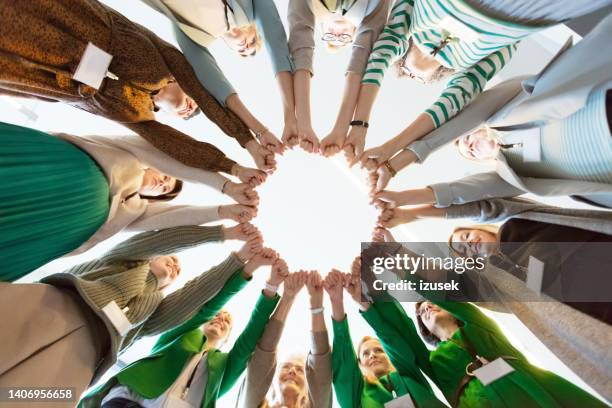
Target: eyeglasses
(343,38)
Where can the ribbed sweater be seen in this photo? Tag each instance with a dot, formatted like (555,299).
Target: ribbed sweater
(123,275)
(476,61)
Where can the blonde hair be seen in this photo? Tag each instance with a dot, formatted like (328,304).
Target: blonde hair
(490,228)
(258,40)
(490,132)
(275,392)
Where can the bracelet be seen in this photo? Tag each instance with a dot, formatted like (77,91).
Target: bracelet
(390,168)
(360,123)
(261,132)
(224,185)
(317,310)
(271,288)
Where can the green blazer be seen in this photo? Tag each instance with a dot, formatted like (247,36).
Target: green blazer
(354,391)
(527,387)
(151,376)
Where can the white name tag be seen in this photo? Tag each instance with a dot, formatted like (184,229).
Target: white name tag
(93,67)
(535,274)
(493,371)
(405,401)
(532,148)
(117,318)
(458,29)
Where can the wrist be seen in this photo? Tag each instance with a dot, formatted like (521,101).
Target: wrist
(252,145)
(315,304)
(236,168)
(402,160)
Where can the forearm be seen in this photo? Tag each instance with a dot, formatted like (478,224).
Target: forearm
(352,85)
(416,197)
(365,101)
(338,310)
(301,87)
(283,308)
(402,160)
(285,85)
(420,127)
(234,103)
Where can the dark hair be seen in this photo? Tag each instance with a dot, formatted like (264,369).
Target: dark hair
(171,195)
(441,72)
(428,336)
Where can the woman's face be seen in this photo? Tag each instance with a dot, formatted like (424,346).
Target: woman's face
(243,40)
(291,377)
(372,357)
(155,184)
(474,242)
(478,145)
(338,31)
(218,327)
(420,66)
(431,315)
(166,269)
(174,100)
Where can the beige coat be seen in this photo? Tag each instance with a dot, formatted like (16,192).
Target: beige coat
(123,160)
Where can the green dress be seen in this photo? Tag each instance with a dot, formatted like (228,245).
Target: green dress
(354,391)
(54,197)
(526,387)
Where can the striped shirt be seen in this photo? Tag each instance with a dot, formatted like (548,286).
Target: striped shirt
(477,60)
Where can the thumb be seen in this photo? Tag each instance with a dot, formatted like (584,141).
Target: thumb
(386,196)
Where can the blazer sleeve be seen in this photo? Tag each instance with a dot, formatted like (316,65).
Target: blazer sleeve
(243,348)
(261,367)
(494,210)
(473,188)
(236,283)
(270,25)
(367,33)
(181,305)
(167,241)
(302,22)
(319,371)
(164,215)
(400,339)
(150,156)
(185,76)
(346,374)
(181,147)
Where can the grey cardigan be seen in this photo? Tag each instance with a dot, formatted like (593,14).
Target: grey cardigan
(123,275)
(262,366)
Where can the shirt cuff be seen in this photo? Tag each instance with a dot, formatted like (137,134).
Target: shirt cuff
(303,59)
(359,60)
(443,194)
(420,149)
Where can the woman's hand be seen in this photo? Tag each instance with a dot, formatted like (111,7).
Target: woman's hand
(379,179)
(387,199)
(352,284)
(373,158)
(333,284)
(250,249)
(382,235)
(237,212)
(332,143)
(241,193)
(264,158)
(354,144)
(308,140)
(271,142)
(294,283)
(278,273)
(252,177)
(290,136)
(314,284)
(392,217)
(265,256)
(241,232)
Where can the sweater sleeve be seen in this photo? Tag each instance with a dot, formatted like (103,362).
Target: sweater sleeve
(367,33)
(270,25)
(261,367)
(319,371)
(183,73)
(163,242)
(150,156)
(164,215)
(302,22)
(464,86)
(392,43)
(473,188)
(493,210)
(347,378)
(182,304)
(181,147)
(244,346)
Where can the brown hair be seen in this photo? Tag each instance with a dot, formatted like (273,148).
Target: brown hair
(428,336)
(490,228)
(440,73)
(369,377)
(171,195)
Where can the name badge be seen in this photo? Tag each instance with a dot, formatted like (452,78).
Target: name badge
(535,274)
(405,401)
(458,29)
(93,67)
(532,148)
(493,371)
(117,317)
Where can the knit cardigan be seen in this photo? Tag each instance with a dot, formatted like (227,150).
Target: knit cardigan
(123,275)
(41,44)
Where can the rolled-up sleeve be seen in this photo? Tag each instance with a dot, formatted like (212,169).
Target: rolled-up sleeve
(301,34)
(367,34)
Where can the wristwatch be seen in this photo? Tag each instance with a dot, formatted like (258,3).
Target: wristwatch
(360,123)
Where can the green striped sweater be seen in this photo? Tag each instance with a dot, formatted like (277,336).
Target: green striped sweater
(475,61)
